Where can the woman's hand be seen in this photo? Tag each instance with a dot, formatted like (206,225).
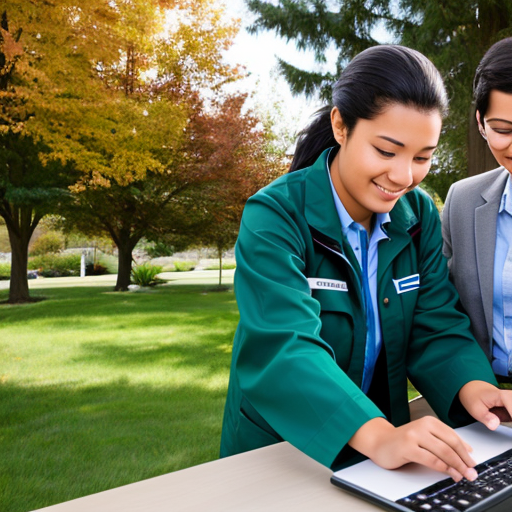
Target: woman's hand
(486,403)
(427,441)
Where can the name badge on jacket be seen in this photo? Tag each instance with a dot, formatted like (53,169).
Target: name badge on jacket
(407,284)
(319,283)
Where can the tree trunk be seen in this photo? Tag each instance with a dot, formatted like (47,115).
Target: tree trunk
(18,287)
(124,270)
(220,265)
(480,158)
(20,223)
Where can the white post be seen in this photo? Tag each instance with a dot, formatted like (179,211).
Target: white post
(82,265)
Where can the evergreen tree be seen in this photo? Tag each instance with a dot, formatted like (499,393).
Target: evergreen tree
(454,34)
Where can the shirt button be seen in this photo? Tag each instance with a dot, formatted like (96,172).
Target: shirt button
(386,301)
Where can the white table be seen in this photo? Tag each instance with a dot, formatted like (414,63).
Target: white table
(274,478)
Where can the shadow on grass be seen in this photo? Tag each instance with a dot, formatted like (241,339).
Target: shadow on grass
(205,356)
(138,389)
(61,443)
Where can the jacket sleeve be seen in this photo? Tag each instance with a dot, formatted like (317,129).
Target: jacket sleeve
(443,355)
(285,369)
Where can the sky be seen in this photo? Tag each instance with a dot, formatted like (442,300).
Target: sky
(258,53)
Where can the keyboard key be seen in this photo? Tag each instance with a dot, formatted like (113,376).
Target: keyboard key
(447,495)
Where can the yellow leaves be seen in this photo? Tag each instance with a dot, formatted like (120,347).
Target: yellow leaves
(195,37)
(127,167)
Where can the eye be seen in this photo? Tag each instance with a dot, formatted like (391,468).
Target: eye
(387,154)
(422,159)
(502,131)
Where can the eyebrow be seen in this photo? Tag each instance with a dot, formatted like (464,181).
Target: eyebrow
(401,144)
(498,119)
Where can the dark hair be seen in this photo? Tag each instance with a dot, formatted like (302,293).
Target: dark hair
(376,78)
(493,72)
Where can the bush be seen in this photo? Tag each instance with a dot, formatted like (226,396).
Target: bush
(159,250)
(5,271)
(145,274)
(56,265)
(50,242)
(184,266)
(95,269)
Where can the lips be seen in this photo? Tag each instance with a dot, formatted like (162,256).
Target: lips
(392,193)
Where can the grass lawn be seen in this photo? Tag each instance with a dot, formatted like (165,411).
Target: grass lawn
(101,389)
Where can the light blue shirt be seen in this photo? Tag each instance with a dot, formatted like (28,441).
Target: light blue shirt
(503,235)
(352,234)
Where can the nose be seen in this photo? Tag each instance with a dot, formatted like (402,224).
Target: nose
(401,173)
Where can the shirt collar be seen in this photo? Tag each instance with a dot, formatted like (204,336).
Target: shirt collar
(506,198)
(345,218)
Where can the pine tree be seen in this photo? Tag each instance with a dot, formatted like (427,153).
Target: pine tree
(454,34)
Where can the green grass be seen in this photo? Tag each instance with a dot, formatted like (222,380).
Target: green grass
(225,266)
(100,389)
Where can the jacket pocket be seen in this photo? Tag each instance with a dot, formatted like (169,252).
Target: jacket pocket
(334,300)
(337,316)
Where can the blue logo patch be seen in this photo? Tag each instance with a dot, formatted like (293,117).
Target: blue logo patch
(407,284)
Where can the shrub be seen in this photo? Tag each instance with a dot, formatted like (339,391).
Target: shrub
(95,269)
(56,265)
(184,266)
(159,250)
(5,271)
(50,242)
(145,274)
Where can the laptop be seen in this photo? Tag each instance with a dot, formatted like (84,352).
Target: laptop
(417,488)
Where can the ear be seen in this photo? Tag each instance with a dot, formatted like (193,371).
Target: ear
(338,126)
(481,128)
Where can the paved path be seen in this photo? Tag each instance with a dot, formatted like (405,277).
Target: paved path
(174,278)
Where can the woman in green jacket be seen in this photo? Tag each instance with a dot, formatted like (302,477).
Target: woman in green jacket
(343,291)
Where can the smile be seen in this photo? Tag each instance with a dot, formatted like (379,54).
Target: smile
(390,192)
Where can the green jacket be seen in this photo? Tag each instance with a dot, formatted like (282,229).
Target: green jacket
(298,352)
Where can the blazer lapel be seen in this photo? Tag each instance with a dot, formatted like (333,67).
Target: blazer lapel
(485,243)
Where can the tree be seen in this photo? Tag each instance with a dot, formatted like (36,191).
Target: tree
(104,87)
(30,188)
(136,186)
(32,181)
(238,153)
(454,34)
(42,75)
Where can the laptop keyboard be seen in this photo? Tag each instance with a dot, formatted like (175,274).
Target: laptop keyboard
(447,496)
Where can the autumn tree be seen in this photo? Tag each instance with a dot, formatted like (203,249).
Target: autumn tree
(109,89)
(454,34)
(140,187)
(32,181)
(49,62)
(238,154)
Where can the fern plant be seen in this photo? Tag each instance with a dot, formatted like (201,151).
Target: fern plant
(145,274)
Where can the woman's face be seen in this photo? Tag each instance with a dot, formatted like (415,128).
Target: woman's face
(497,127)
(383,158)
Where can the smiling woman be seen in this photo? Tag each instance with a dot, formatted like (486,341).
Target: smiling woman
(343,291)
(382,159)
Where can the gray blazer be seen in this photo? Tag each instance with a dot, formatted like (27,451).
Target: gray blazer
(469,234)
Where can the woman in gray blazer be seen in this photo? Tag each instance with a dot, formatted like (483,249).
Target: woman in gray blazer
(477,218)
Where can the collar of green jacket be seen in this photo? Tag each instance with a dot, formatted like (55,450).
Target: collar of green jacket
(321,214)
